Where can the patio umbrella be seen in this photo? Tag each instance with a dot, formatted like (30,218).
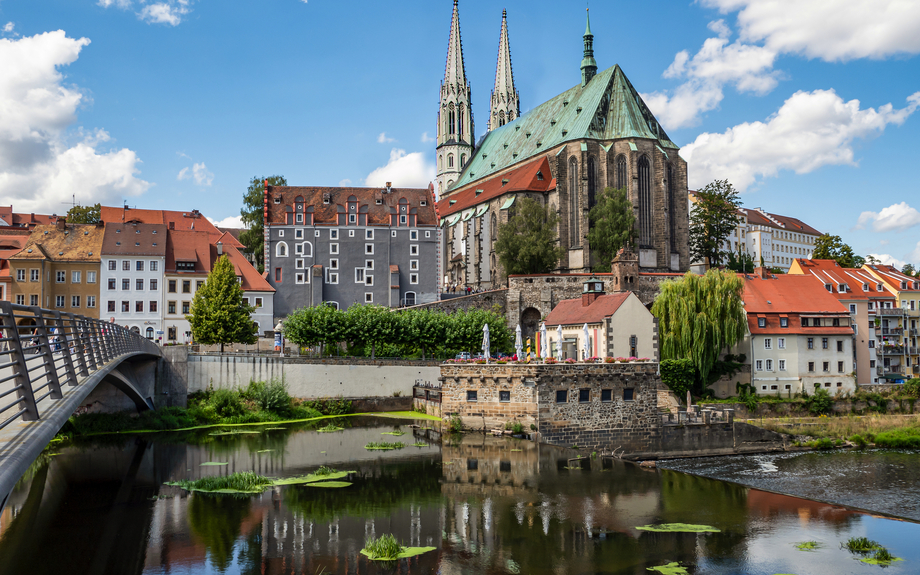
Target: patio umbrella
(586,347)
(485,341)
(518,344)
(544,342)
(559,345)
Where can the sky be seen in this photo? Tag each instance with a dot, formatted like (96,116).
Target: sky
(810,109)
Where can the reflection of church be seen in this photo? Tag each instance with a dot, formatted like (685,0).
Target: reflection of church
(562,153)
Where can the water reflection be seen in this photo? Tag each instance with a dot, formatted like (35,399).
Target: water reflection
(489,505)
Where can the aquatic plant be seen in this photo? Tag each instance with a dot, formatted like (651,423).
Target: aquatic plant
(387,548)
(861,545)
(241,482)
(324,470)
(419,444)
(881,557)
(674,568)
(330,428)
(385,446)
(397,432)
(808,546)
(679,528)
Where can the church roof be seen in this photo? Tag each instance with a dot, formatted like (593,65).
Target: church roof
(607,108)
(534,176)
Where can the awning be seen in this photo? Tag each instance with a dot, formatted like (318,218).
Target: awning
(508,203)
(891,376)
(481,210)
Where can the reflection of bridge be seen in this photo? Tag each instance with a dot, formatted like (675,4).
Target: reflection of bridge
(49,363)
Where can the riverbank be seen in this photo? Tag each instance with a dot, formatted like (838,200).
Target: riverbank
(823,432)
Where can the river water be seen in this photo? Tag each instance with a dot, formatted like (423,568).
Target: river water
(488,505)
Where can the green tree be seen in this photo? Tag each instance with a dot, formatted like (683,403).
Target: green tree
(909,270)
(612,226)
(679,375)
(253,216)
(859,261)
(527,243)
(84,214)
(372,324)
(426,328)
(828,247)
(219,314)
(743,263)
(699,317)
(713,218)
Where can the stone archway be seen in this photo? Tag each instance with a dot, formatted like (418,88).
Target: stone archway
(530,323)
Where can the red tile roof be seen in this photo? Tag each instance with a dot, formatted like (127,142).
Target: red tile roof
(520,179)
(892,277)
(280,199)
(20,220)
(122,239)
(830,272)
(229,239)
(252,279)
(792,296)
(188,246)
(572,312)
(192,220)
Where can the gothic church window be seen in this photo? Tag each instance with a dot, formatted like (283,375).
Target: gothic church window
(574,216)
(592,182)
(460,123)
(501,118)
(672,208)
(462,159)
(450,160)
(621,173)
(645,203)
(450,119)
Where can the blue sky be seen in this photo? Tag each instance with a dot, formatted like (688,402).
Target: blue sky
(809,107)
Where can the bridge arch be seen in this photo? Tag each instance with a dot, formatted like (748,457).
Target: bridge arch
(126,385)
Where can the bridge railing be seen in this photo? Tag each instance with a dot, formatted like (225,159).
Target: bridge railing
(43,351)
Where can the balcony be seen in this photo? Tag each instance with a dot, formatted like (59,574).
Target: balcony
(912,350)
(915,369)
(893,312)
(912,332)
(892,331)
(891,350)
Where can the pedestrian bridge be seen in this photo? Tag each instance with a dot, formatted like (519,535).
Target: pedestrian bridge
(49,363)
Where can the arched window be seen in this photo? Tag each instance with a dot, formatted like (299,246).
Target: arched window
(574,215)
(645,203)
(281,250)
(440,160)
(621,173)
(307,250)
(149,333)
(672,211)
(501,118)
(450,160)
(450,119)
(462,160)
(592,182)
(450,183)
(492,227)
(409,299)
(460,123)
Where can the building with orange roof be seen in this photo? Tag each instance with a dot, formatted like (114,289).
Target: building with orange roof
(799,337)
(865,299)
(11,219)
(618,325)
(133,262)
(898,352)
(12,240)
(58,268)
(192,220)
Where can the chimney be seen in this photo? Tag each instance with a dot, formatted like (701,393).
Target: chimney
(220,248)
(593,289)
(61,224)
(762,273)
(388,186)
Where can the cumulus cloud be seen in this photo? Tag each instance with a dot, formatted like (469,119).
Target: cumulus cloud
(198,171)
(228,222)
(889,260)
(43,160)
(8,28)
(168,12)
(810,130)
(896,217)
(682,107)
(383,139)
(915,255)
(404,170)
(426,138)
(123,4)
(833,31)
(344,183)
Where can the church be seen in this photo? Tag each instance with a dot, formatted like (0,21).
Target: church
(562,153)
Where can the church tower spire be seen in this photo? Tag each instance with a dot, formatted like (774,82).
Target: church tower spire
(455,116)
(506,105)
(588,63)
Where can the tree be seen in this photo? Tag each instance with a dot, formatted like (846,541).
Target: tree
(253,217)
(699,317)
(612,226)
(527,243)
(859,261)
(426,328)
(828,247)
(219,314)
(742,264)
(908,270)
(712,220)
(372,324)
(84,214)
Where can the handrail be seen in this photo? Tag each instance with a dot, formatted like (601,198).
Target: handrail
(47,351)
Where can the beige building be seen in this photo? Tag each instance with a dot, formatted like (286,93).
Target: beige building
(897,323)
(58,268)
(618,325)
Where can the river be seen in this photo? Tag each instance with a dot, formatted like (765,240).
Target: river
(488,505)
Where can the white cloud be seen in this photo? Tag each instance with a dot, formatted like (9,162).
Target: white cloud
(426,138)
(383,139)
(810,130)
(8,27)
(914,256)
(344,183)
(404,170)
(183,174)
(684,105)
(833,31)
(720,28)
(198,171)
(228,222)
(41,162)
(164,12)
(123,4)
(889,260)
(896,217)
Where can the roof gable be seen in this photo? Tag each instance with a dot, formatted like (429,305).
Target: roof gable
(520,179)
(572,312)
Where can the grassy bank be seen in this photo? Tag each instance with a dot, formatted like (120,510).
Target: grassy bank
(892,431)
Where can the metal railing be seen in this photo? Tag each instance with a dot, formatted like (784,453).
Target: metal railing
(42,351)
(894,311)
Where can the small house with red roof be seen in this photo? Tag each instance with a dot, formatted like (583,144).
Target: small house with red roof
(618,325)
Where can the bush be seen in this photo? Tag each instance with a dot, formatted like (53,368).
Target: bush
(272,396)
(330,406)
(820,402)
(912,387)
(225,402)
(858,440)
(899,438)
(679,375)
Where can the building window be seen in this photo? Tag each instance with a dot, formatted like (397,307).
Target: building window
(185,308)
(853,309)
(333,234)
(826,365)
(413,250)
(823,343)
(811,366)
(153,285)
(369,265)
(584,395)
(280,233)
(186,286)
(504,396)
(171,333)
(332,277)
(299,218)
(171,286)
(606,395)
(333,248)
(645,202)
(621,182)
(840,367)
(152,306)
(126,265)
(20,299)
(125,284)
(872,363)
(562,396)
(278,275)
(153,265)
(839,345)
(74,301)
(368,280)
(368,234)
(413,235)
(811,343)
(369,249)
(781,342)
(61,277)
(139,307)
(368,297)
(427,234)
(112,264)
(75,277)
(871,343)
(281,250)
(110,306)
(761,322)
(139,285)
(139,266)
(334,264)
(33,299)
(298,234)
(20,275)
(171,307)
(258,301)
(629,394)
(413,279)
(125,306)
(298,278)
(768,343)
(758,365)
(359,275)
(471,395)
(298,248)
(784,322)
(111,283)
(413,264)
(782,365)
(298,264)
(769,365)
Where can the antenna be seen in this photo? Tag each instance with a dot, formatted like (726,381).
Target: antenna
(73,202)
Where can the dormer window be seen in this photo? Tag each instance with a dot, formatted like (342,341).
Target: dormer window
(540,176)
(277,200)
(327,197)
(865,287)
(761,322)
(878,287)
(842,288)
(903,285)
(423,203)
(828,288)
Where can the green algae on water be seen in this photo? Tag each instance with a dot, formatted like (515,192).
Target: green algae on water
(331,428)
(393,433)
(670,569)
(209,463)
(679,528)
(247,482)
(384,446)
(808,546)
(236,432)
(265,451)
(387,548)
(419,444)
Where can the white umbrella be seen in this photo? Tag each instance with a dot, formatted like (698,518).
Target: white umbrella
(485,341)
(586,346)
(544,342)
(518,344)
(559,338)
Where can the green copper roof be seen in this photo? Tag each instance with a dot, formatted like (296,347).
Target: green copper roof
(607,108)
(508,203)
(588,27)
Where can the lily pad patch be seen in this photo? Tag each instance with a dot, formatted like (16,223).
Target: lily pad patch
(247,482)
(808,546)
(673,568)
(679,528)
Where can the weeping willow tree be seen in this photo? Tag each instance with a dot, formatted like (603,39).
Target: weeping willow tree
(699,316)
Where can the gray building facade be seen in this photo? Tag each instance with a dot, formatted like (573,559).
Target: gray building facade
(346,246)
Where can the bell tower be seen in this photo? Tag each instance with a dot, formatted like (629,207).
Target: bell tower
(506,105)
(455,116)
